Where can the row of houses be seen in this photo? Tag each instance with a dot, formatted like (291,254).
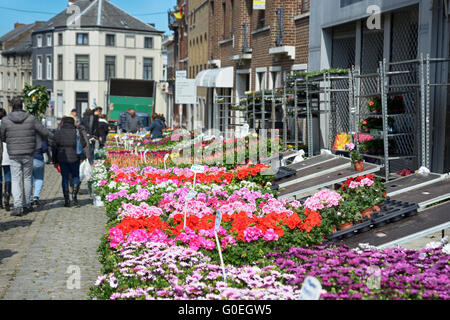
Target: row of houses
(261,46)
(75,53)
(232,47)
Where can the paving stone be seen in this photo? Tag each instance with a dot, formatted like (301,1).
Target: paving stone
(36,250)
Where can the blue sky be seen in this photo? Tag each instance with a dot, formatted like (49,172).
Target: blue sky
(143,9)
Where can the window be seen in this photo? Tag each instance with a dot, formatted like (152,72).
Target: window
(148,43)
(110,67)
(49,40)
(39,41)
(8,60)
(82,39)
(15,60)
(60,39)
(60,67)
(23,79)
(148,69)
(39,68)
(110,40)
(261,81)
(261,19)
(1,80)
(15,81)
(82,67)
(23,60)
(9,81)
(49,68)
(275,79)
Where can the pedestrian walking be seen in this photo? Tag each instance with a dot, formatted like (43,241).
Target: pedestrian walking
(103,130)
(19,130)
(90,122)
(5,178)
(156,127)
(38,173)
(65,155)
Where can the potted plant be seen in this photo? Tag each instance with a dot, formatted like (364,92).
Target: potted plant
(356,156)
(349,212)
(374,105)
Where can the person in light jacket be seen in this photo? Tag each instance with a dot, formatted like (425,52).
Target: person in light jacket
(5,166)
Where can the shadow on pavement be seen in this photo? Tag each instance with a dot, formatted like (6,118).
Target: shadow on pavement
(6,254)
(4,226)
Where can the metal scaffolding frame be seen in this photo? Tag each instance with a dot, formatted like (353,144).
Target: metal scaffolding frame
(409,80)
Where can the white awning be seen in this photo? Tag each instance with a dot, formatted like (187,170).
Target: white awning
(216,78)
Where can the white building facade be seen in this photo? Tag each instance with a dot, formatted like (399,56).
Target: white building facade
(104,42)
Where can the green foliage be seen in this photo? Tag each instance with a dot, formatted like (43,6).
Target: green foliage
(36,100)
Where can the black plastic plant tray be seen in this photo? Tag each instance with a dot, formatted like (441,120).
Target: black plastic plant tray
(392,211)
(284,173)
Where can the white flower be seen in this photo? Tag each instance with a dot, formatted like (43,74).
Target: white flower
(433,245)
(446,249)
(113,282)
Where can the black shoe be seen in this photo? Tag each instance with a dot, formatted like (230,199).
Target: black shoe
(7,195)
(17,212)
(37,202)
(76,189)
(27,210)
(66,198)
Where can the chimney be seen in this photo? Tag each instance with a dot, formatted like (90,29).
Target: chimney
(17,24)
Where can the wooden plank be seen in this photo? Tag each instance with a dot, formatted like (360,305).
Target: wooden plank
(425,195)
(329,179)
(312,161)
(428,219)
(414,181)
(316,170)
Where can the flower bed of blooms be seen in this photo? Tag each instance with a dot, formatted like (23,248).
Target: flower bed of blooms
(139,150)
(268,244)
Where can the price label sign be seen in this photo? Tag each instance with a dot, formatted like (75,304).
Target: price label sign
(166,157)
(196,168)
(311,289)
(245,129)
(191,195)
(218,221)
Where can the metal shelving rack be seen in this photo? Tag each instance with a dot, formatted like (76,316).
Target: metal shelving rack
(405,79)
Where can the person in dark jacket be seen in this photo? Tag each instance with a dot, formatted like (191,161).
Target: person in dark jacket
(134,123)
(90,122)
(103,130)
(65,155)
(20,130)
(156,127)
(123,118)
(38,173)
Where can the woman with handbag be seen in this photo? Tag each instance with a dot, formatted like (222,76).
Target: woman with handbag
(66,153)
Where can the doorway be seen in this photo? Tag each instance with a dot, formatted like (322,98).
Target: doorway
(81,102)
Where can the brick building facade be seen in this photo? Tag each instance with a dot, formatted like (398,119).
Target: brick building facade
(263,46)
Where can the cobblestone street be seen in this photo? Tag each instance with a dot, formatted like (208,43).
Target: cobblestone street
(40,251)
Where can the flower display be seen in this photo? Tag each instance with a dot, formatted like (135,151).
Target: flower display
(161,241)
